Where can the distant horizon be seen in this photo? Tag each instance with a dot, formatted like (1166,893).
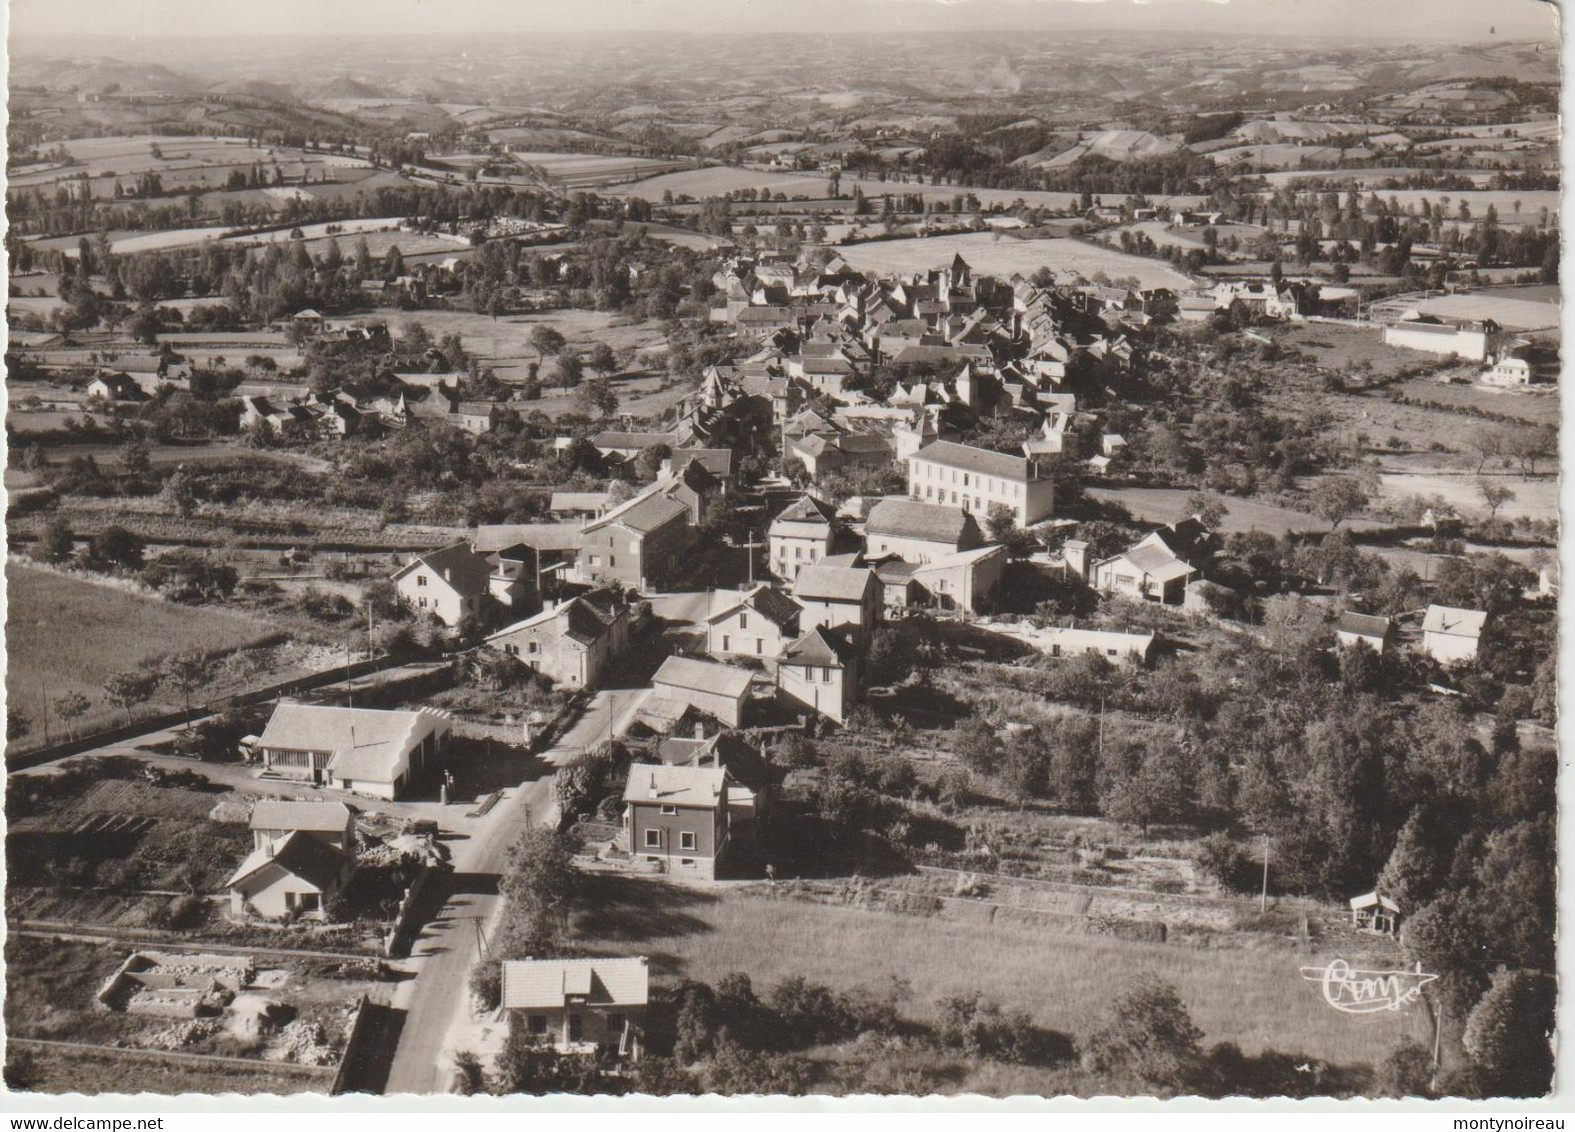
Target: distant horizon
(1469,23)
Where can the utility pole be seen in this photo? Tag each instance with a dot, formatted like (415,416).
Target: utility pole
(1263,905)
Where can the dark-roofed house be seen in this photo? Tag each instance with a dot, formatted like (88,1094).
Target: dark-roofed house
(639,544)
(803,533)
(838,596)
(717,461)
(579,1005)
(919,532)
(116,387)
(361,749)
(676,818)
(451,584)
(977,479)
(757,624)
(821,454)
(295,876)
(718,690)
(573,643)
(820,671)
(1361,628)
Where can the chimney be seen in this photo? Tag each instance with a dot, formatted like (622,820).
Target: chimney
(653,782)
(699,729)
(1074,552)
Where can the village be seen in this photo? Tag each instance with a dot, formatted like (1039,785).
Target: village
(554,641)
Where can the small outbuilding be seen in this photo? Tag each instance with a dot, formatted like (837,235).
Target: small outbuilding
(1375,913)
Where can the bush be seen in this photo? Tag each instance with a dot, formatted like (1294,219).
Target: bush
(1222,859)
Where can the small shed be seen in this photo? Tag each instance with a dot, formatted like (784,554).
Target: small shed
(1375,913)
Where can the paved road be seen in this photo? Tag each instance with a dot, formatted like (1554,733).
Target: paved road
(437,1001)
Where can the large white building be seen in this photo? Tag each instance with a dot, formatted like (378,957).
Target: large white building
(977,479)
(1473,341)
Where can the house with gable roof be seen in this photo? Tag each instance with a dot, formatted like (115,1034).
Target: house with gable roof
(573,643)
(451,583)
(580,1005)
(757,624)
(919,532)
(364,750)
(299,875)
(837,596)
(718,690)
(802,533)
(976,479)
(639,544)
(820,670)
(676,818)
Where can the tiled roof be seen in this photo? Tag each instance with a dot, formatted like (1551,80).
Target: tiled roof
(675,785)
(317,817)
(970,459)
(464,569)
(546,984)
(818,647)
(702,676)
(631,439)
(310,858)
(647,515)
(831,583)
(932,522)
(1363,625)
(366,742)
(775,606)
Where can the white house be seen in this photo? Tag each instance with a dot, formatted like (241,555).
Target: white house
(365,750)
(451,583)
(801,535)
(757,624)
(1508,372)
(820,671)
(976,479)
(719,690)
(1450,635)
(1470,340)
(580,1005)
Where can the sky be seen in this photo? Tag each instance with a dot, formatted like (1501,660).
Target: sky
(1462,21)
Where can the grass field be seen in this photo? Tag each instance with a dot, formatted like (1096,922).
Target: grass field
(1255,998)
(504,343)
(64,634)
(719,179)
(992,254)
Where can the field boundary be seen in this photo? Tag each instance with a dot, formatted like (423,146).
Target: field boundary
(128,937)
(288,1067)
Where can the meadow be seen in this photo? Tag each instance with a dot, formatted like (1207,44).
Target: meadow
(504,343)
(994,254)
(1255,997)
(65,634)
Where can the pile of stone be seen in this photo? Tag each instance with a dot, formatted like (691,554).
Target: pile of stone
(302,1042)
(182,1034)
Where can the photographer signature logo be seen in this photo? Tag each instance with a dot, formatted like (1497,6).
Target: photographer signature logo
(1367,992)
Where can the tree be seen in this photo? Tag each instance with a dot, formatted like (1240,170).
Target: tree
(179,493)
(1337,498)
(1208,507)
(1149,1035)
(56,543)
(1530,444)
(545,340)
(1488,441)
(570,370)
(1494,495)
(128,689)
(1508,1031)
(1405,1071)
(185,671)
(539,886)
(70,707)
(116,548)
(602,359)
(595,397)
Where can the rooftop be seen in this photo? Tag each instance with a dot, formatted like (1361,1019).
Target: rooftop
(544,984)
(831,583)
(702,676)
(931,522)
(981,460)
(1455,622)
(675,785)
(316,817)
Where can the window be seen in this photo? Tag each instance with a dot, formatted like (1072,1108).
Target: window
(596,560)
(536,1023)
(1110,652)
(511,650)
(532,647)
(670,811)
(743,620)
(825,675)
(727,643)
(653,839)
(687,862)
(421,602)
(798,552)
(686,840)
(576,1028)
(760,646)
(612,560)
(1055,650)
(421,579)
